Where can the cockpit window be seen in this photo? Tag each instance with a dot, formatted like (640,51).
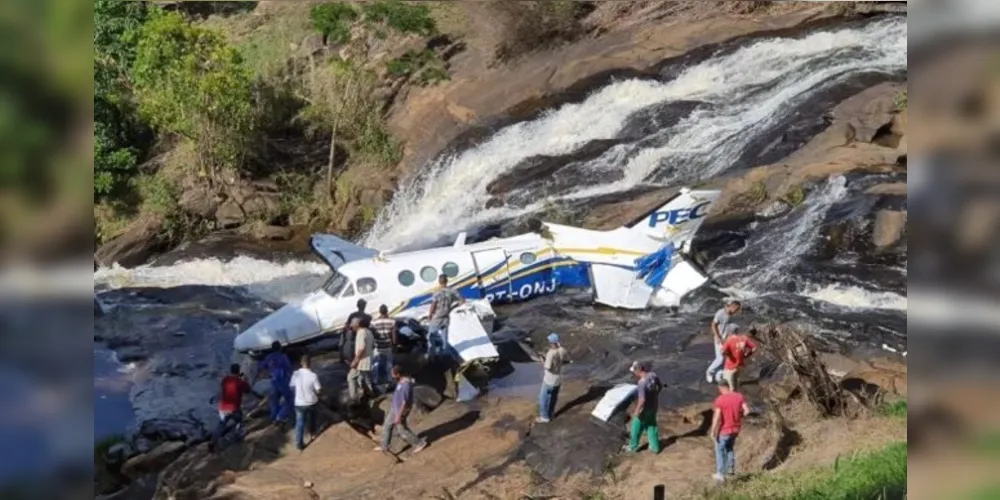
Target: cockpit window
(367,285)
(349,292)
(335,284)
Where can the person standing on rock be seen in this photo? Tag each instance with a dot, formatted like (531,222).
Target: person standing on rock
(306,385)
(234,386)
(736,350)
(445,299)
(385,332)
(646,405)
(347,334)
(359,378)
(727,419)
(554,359)
(277,364)
(395,418)
(720,330)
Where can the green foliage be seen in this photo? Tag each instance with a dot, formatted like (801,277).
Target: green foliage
(333,20)
(899,101)
(120,138)
(192,83)
(794,196)
(895,409)
(538,24)
(877,474)
(402,17)
(425,66)
(103,445)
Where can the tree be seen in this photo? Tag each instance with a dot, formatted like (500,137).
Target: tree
(120,138)
(192,83)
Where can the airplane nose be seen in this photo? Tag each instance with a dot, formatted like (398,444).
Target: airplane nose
(288,324)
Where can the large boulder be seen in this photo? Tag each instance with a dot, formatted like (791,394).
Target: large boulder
(135,245)
(889,227)
(199,201)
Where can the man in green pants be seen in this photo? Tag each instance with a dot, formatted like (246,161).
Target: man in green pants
(644,414)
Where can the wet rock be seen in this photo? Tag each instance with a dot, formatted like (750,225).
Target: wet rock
(495,202)
(539,167)
(134,246)
(155,460)
(889,227)
(118,453)
(275,233)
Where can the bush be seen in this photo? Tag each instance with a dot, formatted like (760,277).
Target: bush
(402,17)
(192,83)
(899,101)
(426,66)
(333,20)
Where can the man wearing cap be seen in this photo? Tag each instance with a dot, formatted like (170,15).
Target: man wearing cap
(644,414)
(721,328)
(555,357)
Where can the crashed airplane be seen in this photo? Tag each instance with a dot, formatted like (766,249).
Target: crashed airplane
(635,267)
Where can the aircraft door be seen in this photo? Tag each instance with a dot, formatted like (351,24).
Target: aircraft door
(493,274)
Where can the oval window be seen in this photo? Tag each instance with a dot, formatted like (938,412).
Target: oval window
(367,285)
(528,258)
(428,274)
(406,278)
(449,269)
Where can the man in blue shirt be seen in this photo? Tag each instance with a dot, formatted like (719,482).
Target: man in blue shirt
(395,418)
(281,397)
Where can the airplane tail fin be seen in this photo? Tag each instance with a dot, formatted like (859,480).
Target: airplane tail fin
(678,220)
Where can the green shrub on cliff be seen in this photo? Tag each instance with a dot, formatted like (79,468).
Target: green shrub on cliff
(191,83)
(333,21)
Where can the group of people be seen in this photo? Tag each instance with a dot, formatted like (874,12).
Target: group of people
(732,348)
(368,346)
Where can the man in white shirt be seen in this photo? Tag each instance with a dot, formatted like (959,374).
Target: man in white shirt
(554,360)
(305,383)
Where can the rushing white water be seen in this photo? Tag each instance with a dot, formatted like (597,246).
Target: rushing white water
(778,248)
(746,91)
(268,280)
(857,298)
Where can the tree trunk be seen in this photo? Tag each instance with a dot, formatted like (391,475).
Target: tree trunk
(329,164)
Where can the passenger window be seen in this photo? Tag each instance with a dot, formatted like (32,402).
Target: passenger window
(367,285)
(449,269)
(349,292)
(528,258)
(428,274)
(406,278)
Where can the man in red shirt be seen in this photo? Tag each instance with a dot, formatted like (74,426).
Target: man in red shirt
(736,349)
(727,418)
(234,386)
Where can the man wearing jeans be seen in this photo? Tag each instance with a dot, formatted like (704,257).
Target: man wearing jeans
(359,379)
(554,359)
(234,386)
(721,328)
(727,418)
(306,386)
(395,418)
(445,299)
(384,330)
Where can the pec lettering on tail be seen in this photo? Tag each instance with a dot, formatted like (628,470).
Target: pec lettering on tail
(679,219)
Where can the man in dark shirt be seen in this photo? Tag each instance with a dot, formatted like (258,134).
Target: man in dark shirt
(384,330)
(233,387)
(644,414)
(281,399)
(395,418)
(347,334)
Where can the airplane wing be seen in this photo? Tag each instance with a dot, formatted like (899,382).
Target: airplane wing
(336,251)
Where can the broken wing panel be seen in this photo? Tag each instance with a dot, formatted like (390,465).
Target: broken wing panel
(336,251)
(619,287)
(682,279)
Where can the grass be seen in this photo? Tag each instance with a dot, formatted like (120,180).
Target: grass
(879,474)
(899,101)
(894,409)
